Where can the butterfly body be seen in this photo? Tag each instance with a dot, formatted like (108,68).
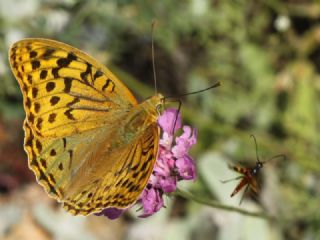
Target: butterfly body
(89,143)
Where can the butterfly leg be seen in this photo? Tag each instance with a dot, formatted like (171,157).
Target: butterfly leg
(177,114)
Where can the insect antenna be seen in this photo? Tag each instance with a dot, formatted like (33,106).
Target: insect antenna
(274,157)
(255,142)
(178,100)
(263,162)
(174,98)
(171,98)
(153,25)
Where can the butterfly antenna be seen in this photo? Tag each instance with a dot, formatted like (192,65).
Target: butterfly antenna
(153,25)
(217,84)
(176,99)
(255,142)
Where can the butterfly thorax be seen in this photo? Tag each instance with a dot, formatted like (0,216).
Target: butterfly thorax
(141,117)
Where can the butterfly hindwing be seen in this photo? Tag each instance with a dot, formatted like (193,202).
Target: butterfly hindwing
(121,185)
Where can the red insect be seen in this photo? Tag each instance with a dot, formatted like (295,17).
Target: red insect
(249,175)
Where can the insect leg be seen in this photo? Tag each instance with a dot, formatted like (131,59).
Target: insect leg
(238,169)
(245,190)
(242,183)
(254,185)
(232,179)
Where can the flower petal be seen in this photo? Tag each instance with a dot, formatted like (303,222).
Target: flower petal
(170,117)
(111,213)
(186,168)
(151,201)
(185,142)
(166,140)
(168,184)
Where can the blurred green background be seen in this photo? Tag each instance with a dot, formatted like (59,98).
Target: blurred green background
(266,55)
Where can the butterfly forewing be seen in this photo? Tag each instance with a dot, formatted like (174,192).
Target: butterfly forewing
(65,91)
(88,142)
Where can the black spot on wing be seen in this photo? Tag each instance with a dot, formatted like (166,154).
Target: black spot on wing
(107,84)
(64,62)
(55,72)
(36,107)
(84,75)
(74,101)
(48,53)
(34,92)
(97,74)
(53,152)
(67,84)
(29,78)
(68,114)
(39,123)
(33,54)
(54,100)
(52,117)
(35,64)
(60,166)
(50,86)
(64,142)
(43,74)
(38,145)
(31,117)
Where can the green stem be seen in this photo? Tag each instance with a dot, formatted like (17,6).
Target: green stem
(216,204)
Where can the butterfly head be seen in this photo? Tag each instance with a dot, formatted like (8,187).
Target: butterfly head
(154,105)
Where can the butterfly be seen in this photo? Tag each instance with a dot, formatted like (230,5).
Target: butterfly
(89,143)
(249,175)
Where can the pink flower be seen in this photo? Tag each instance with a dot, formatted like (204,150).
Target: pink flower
(151,201)
(111,213)
(184,162)
(173,163)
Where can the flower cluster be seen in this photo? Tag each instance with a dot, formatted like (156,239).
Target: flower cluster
(172,165)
